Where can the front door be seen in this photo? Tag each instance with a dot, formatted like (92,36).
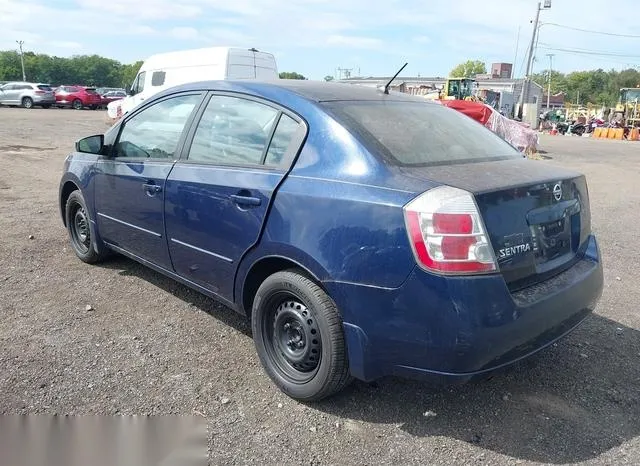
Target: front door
(9,94)
(129,184)
(217,199)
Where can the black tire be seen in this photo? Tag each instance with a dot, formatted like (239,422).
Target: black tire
(79,229)
(77,104)
(313,342)
(27,102)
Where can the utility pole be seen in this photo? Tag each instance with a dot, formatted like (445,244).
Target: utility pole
(550,55)
(524,95)
(20,42)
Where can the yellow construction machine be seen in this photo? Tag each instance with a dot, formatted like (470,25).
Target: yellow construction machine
(455,89)
(627,110)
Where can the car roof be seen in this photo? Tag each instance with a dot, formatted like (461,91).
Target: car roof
(317,91)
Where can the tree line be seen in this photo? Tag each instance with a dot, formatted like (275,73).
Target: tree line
(89,70)
(597,87)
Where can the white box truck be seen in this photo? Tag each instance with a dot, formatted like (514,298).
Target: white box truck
(164,70)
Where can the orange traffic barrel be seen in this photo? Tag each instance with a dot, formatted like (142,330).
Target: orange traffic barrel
(597,133)
(634,134)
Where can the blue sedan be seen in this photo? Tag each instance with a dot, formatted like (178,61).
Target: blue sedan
(364,234)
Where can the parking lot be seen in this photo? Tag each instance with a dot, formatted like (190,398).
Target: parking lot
(151,346)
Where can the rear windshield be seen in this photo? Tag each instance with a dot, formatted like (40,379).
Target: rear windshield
(44,87)
(420,133)
(90,90)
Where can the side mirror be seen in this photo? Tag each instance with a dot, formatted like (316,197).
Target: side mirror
(91,144)
(131,91)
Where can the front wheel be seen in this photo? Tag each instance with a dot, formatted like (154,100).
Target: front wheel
(299,338)
(27,102)
(77,104)
(79,229)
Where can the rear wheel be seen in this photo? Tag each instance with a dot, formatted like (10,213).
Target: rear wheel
(299,338)
(77,104)
(27,102)
(79,229)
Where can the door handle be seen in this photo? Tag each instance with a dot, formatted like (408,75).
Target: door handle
(151,188)
(245,200)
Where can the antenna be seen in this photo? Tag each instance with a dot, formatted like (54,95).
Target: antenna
(386,87)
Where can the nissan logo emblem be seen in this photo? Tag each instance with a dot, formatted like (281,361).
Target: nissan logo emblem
(557,192)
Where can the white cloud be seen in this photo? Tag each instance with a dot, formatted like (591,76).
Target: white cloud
(422,39)
(66,44)
(184,33)
(354,41)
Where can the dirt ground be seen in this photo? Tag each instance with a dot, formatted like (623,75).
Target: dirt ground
(151,346)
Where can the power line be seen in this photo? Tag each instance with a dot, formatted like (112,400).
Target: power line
(588,52)
(589,31)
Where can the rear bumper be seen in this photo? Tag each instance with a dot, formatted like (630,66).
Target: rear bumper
(458,328)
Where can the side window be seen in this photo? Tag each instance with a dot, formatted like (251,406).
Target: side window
(138,84)
(233,131)
(157,78)
(282,137)
(155,132)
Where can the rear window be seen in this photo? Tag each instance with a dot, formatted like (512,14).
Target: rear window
(44,87)
(420,133)
(90,90)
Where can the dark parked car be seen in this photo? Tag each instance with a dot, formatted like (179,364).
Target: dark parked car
(77,97)
(364,234)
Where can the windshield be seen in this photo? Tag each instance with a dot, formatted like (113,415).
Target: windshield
(630,95)
(420,133)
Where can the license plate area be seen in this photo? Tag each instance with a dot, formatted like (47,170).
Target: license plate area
(551,240)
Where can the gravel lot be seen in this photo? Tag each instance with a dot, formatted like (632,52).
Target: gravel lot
(151,346)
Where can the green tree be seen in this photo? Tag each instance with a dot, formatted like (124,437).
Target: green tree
(128,73)
(468,69)
(291,75)
(597,87)
(10,69)
(90,70)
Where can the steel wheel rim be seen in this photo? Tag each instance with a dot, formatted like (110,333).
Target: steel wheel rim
(292,338)
(27,103)
(80,230)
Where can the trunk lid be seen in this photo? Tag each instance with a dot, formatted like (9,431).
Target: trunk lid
(536,215)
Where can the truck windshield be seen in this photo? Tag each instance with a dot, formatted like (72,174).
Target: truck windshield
(417,133)
(631,95)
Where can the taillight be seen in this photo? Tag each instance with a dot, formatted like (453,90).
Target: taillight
(447,233)
(40,92)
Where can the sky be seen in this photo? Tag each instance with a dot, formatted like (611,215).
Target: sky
(315,37)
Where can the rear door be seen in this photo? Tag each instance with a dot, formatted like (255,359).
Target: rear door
(130,183)
(217,196)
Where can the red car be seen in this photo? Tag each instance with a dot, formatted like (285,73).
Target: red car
(77,97)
